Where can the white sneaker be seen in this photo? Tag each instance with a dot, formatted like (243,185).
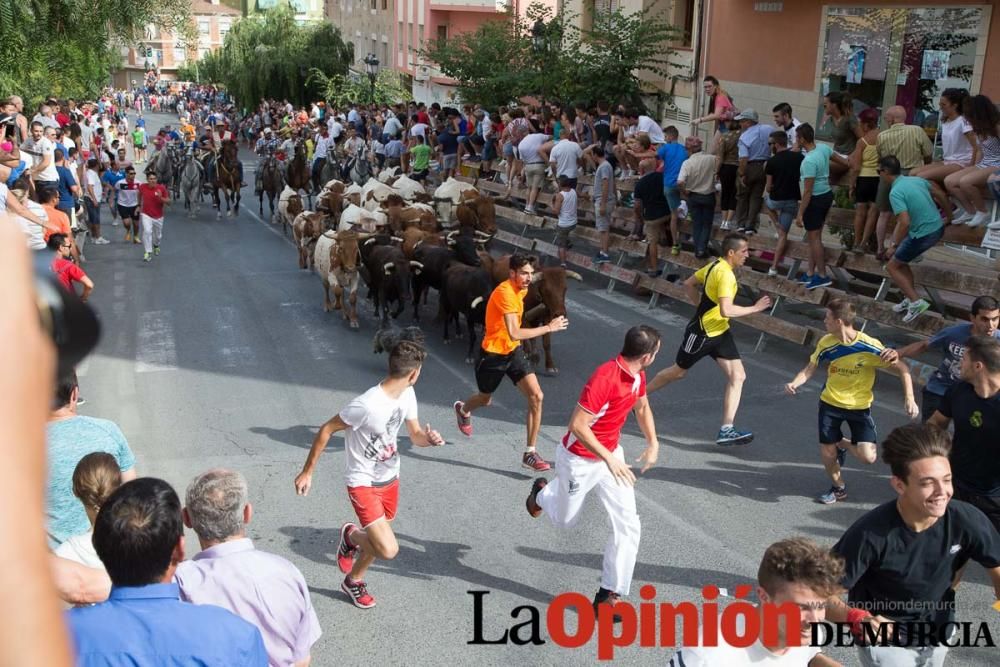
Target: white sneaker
(726,225)
(962,218)
(101,241)
(980,218)
(772,271)
(114,223)
(902,306)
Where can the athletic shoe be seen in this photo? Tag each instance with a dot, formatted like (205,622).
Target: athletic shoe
(128,236)
(836,493)
(604,596)
(530,504)
(530,210)
(114,222)
(135,239)
(902,306)
(346,552)
(726,225)
(980,218)
(535,462)
(358,592)
(961,218)
(676,250)
(730,436)
(464,420)
(916,309)
(100,241)
(146,257)
(841,456)
(156,250)
(772,271)
(805,279)
(601,258)
(749,231)
(654,273)
(819,281)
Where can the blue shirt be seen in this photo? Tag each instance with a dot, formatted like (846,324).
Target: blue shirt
(149,625)
(111,177)
(753,143)
(66,182)
(816,165)
(673,155)
(951,341)
(68,441)
(912,194)
(449,143)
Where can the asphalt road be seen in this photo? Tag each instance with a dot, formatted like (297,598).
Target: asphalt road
(218,353)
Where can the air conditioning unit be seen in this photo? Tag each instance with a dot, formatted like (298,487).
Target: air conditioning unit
(423,73)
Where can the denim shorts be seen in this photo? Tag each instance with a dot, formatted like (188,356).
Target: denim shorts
(786,209)
(912,248)
(673,195)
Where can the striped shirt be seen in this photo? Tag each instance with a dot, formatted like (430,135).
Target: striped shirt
(909,143)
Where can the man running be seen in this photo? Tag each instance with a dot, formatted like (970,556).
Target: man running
(590,457)
(853,359)
(372,422)
(502,355)
(713,288)
(901,557)
(127,192)
(153,196)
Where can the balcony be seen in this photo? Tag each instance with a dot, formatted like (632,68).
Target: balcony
(467,5)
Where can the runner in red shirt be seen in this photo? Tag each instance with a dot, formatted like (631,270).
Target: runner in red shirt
(66,271)
(592,458)
(152,198)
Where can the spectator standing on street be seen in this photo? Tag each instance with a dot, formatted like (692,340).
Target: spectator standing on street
(696,181)
(421,158)
(753,152)
(95,478)
(605,197)
(34,232)
(372,422)
(93,195)
(153,196)
(901,557)
(918,229)
(564,207)
(911,147)
(70,437)
(786,122)
(672,155)
(42,151)
(727,155)
(973,404)
(229,572)
(984,318)
(816,199)
(565,157)
(651,212)
(68,272)
(844,130)
(863,179)
(781,191)
(139,537)
(534,155)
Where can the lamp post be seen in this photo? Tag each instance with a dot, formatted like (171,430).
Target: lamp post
(371,67)
(538,36)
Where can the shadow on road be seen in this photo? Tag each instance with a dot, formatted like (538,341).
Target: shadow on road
(300,435)
(411,453)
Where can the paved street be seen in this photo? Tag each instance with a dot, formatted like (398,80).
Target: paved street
(218,353)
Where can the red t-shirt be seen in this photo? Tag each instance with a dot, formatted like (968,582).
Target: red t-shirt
(151,205)
(422,117)
(609,396)
(67,272)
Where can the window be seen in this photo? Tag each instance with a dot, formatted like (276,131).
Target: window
(442,32)
(385,4)
(180,54)
(898,56)
(385,54)
(224,25)
(420,29)
(374,5)
(202,52)
(204,26)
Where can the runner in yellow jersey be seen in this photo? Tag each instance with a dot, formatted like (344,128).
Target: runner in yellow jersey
(853,359)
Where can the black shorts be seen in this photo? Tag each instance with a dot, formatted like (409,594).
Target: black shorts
(127,212)
(815,214)
(989,505)
(694,348)
(492,367)
(832,418)
(866,189)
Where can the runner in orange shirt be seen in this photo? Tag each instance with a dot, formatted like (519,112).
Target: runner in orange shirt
(502,355)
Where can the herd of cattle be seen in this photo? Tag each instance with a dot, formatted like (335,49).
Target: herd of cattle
(402,242)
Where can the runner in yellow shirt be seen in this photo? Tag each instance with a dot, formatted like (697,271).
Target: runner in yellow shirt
(853,359)
(502,355)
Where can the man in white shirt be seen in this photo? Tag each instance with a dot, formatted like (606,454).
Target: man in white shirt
(647,126)
(372,422)
(335,128)
(565,157)
(785,121)
(794,572)
(43,170)
(535,157)
(319,155)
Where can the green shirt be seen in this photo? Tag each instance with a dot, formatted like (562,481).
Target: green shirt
(912,194)
(816,165)
(421,156)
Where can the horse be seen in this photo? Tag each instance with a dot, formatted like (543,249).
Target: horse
(227,178)
(297,172)
(162,164)
(330,171)
(270,181)
(361,170)
(176,165)
(192,176)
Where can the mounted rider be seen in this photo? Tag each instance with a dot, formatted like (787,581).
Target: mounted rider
(217,137)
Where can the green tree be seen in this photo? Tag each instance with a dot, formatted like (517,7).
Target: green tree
(340,90)
(271,55)
(63,48)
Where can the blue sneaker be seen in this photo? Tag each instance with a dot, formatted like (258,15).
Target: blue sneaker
(835,494)
(841,456)
(730,436)
(805,279)
(601,258)
(819,281)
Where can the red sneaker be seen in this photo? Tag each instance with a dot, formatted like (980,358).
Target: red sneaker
(346,551)
(534,509)
(358,592)
(464,420)
(535,462)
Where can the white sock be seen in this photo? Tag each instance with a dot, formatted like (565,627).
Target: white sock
(725,426)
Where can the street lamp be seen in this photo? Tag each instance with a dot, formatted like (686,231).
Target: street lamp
(538,36)
(371,67)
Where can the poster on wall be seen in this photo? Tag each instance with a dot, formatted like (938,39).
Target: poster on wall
(856,64)
(935,65)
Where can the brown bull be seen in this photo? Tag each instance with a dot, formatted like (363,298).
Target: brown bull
(306,228)
(478,212)
(332,203)
(402,216)
(413,237)
(338,260)
(546,299)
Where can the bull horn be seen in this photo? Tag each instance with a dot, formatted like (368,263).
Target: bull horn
(387,266)
(574,275)
(537,276)
(371,240)
(451,234)
(396,239)
(415,264)
(482,233)
(475,302)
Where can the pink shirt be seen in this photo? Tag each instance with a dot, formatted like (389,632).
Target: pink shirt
(261,588)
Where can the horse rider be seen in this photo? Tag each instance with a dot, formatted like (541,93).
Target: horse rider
(220,135)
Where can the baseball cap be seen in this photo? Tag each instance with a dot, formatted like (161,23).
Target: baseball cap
(747,114)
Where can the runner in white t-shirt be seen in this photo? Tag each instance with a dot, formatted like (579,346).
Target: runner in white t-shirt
(372,422)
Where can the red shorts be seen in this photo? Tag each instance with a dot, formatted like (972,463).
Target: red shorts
(371,503)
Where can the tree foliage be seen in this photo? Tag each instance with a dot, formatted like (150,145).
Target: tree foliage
(68,48)
(604,61)
(272,56)
(340,90)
